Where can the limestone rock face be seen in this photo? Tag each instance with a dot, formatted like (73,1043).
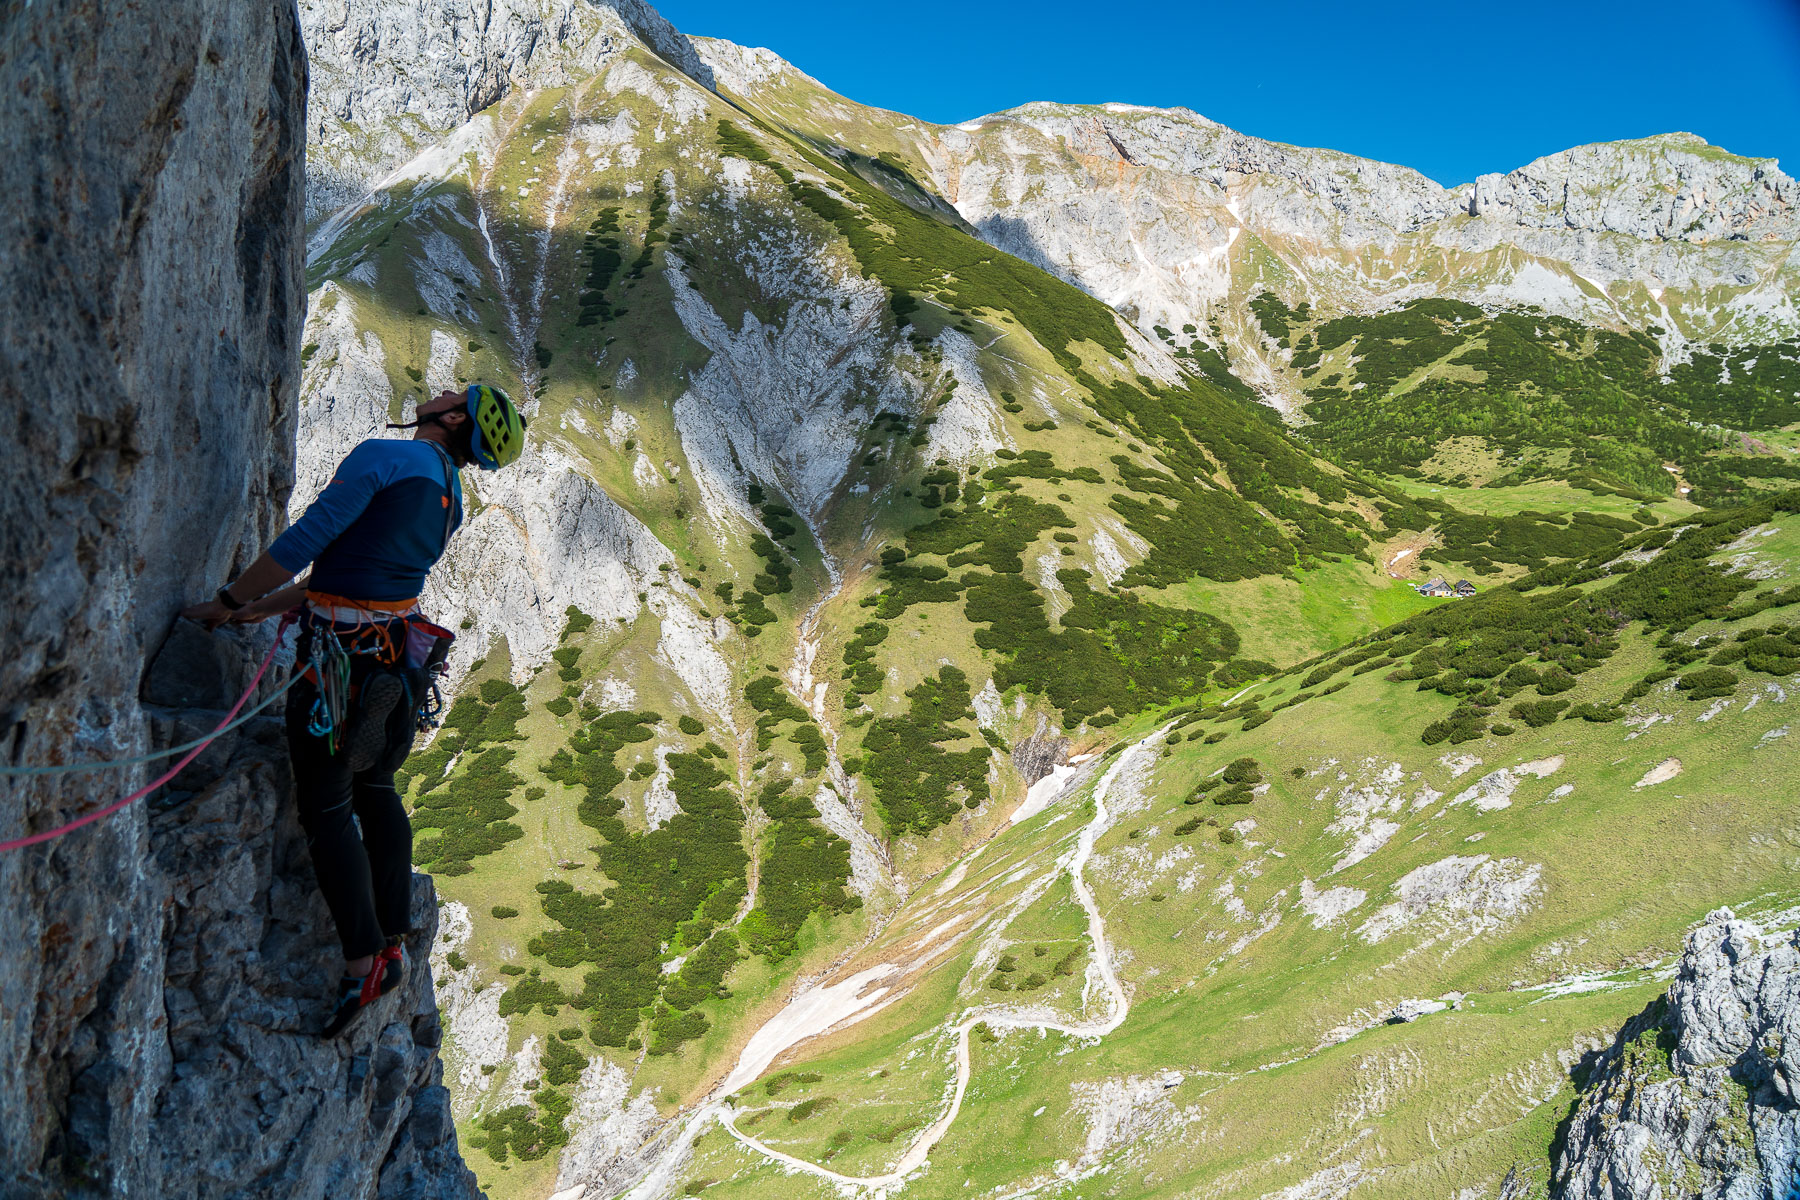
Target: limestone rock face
(392,76)
(165,967)
(1673,187)
(1175,219)
(1697,1095)
(1036,756)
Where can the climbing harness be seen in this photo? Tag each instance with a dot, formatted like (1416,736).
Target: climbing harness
(230,722)
(423,647)
(405,647)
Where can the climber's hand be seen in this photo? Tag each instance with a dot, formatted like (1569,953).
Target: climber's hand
(272,605)
(211,613)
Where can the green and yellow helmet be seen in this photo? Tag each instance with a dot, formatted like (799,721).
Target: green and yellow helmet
(499,430)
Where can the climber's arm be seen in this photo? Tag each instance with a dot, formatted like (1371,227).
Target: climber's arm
(271,605)
(362,473)
(255,591)
(262,577)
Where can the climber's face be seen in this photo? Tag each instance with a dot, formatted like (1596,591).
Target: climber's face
(449,407)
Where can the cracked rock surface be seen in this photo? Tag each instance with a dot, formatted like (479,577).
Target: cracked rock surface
(1697,1096)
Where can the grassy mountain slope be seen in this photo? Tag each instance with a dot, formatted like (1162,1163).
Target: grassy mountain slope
(841,526)
(1366,966)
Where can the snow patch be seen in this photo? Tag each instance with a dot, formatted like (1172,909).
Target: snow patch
(1043,793)
(810,1013)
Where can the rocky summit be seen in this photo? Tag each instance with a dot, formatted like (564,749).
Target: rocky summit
(1077,653)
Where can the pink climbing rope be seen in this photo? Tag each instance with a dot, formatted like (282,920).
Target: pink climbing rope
(115,806)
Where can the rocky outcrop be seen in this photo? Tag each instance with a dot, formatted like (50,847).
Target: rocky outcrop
(1036,756)
(1147,209)
(392,76)
(1673,187)
(165,967)
(1700,1094)
(249,1102)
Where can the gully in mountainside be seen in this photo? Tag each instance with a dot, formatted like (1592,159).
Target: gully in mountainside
(371,538)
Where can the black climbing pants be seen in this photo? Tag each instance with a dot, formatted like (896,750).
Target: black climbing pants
(364,874)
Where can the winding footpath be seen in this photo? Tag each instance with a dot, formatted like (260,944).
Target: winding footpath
(819,1009)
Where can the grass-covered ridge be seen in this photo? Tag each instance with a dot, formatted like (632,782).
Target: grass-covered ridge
(1558,624)
(1548,396)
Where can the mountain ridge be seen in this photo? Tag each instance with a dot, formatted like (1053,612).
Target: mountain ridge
(852,553)
(770,64)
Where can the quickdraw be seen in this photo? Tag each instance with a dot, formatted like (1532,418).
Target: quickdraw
(408,643)
(431,707)
(329,663)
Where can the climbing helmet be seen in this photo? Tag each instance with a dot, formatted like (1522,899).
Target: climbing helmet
(499,430)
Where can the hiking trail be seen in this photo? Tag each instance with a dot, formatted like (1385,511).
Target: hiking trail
(819,1009)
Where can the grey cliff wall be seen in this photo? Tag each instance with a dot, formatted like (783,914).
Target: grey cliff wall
(1700,1095)
(163,968)
(1673,187)
(392,76)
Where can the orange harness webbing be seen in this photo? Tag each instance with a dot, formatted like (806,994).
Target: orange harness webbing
(377,630)
(370,606)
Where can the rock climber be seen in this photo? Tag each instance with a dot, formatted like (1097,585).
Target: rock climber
(371,537)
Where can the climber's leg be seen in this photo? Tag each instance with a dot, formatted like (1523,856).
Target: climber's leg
(324,794)
(386,832)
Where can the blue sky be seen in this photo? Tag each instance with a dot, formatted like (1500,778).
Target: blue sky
(1454,90)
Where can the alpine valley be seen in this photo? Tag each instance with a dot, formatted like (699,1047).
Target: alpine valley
(948,705)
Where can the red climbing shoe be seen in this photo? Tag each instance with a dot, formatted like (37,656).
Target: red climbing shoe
(355,993)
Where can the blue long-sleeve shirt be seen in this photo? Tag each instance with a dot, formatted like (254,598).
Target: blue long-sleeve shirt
(379,525)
